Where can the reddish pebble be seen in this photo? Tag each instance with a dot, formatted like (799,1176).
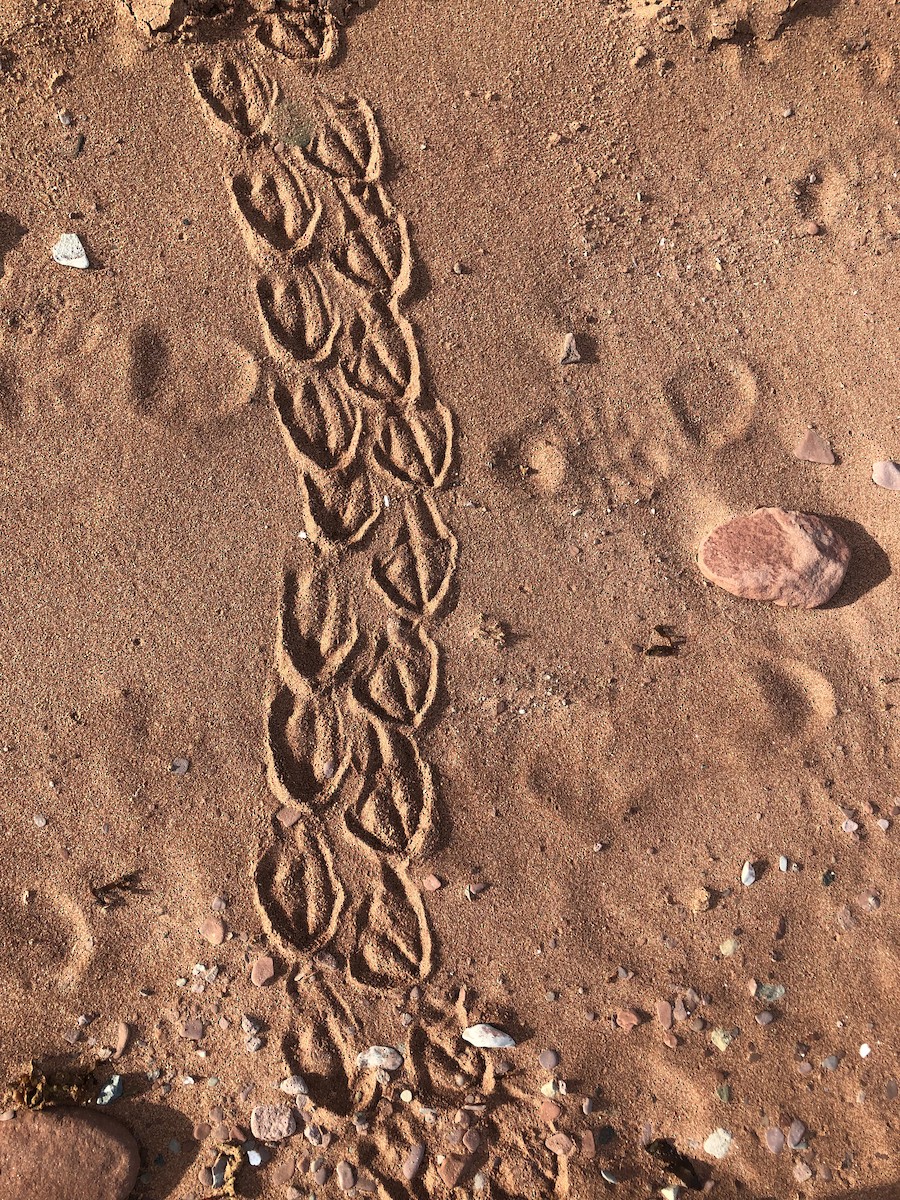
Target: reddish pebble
(431,883)
(472,1140)
(213,930)
(588,1144)
(560,1143)
(664,1013)
(796,1134)
(272,1122)
(791,559)
(813,448)
(192,1029)
(202,1130)
(123,1033)
(263,971)
(775,1139)
(345,1175)
(549,1112)
(549,1060)
(670,1040)
(283,1171)
(627,1019)
(413,1162)
(451,1169)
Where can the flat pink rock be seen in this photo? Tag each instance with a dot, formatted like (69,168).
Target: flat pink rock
(66,1154)
(263,971)
(791,559)
(813,448)
(886,474)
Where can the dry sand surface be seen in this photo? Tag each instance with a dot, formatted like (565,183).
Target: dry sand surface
(325,582)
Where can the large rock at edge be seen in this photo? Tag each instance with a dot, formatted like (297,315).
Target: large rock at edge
(66,1154)
(793,559)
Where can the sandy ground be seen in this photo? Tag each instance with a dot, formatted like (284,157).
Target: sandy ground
(295,488)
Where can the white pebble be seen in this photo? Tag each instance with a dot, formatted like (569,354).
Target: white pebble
(748,874)
(718,1143)
(865,1050)
(385,1058)
(487,1037)
(69,252)
(294,1085)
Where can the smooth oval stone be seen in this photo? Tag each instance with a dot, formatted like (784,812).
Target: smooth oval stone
(791,559)
(66,1154)
(413,1161)
(774,1139)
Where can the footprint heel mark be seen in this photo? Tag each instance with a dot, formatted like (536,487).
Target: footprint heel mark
(321,426)
(339,507)
(302,34)
(148,360)
(317,632)
(395,812)
(392,941)
(713,401)
(376,254)
(12,231)
(400,682)
(415,577)
(433,1063)
(307,753)
(238,99)
(298,892)
(278,212)
(415,447)
(348,143)
(11,407)
(300,320)
(379,359)
(323,1045)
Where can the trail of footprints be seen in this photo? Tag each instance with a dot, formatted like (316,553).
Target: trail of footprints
(348,703)
(333,265)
